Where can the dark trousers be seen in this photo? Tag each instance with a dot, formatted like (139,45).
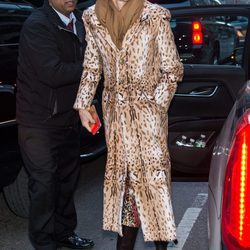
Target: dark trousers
(51,158)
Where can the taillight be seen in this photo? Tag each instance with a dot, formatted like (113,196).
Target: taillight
(197,36)
(236,196)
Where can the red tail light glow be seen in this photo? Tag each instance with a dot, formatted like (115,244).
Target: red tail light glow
(196,26)
(197,36)
(236,196)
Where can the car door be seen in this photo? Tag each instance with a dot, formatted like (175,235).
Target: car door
(212,46)
(12,17)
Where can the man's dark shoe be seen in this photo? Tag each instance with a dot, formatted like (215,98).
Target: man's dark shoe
(75,242)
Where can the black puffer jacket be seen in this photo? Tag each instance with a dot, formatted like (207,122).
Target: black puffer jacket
(49,70)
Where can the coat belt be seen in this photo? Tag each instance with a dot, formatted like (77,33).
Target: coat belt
(114,96)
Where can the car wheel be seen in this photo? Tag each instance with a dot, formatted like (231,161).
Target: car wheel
(16,195)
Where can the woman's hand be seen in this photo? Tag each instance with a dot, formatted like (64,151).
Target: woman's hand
(86,118)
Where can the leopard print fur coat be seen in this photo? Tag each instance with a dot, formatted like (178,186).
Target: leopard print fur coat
(140,81)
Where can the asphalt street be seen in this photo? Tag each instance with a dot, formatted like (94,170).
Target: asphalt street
(189,203)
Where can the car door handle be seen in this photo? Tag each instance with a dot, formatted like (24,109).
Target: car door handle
(200,92)
(7,88)
(207,91)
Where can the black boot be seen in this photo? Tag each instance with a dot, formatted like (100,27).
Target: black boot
(127,242)
(161,245)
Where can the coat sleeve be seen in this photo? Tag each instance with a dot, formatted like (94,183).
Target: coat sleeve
(92,69)
(171,69)
(43,54)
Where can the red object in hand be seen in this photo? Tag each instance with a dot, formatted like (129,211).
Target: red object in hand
(94,126)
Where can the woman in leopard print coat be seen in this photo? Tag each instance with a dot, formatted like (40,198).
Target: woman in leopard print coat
(140,80)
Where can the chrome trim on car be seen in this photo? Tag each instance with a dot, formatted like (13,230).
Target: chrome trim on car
(8,44)
(94,153)
(199,94)
(9,122)
(7,88)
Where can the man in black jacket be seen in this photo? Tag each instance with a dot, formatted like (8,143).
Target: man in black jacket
(49,70)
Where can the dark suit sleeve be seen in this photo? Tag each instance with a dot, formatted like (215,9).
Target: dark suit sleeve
(44,58)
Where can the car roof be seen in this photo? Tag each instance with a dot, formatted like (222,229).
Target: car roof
(173,3)
(185,3)
(15,5)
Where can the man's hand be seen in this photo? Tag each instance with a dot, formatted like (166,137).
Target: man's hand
(86,118)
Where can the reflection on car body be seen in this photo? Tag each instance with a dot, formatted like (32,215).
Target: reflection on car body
(229,180)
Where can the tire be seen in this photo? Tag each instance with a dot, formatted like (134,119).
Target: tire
(16,195)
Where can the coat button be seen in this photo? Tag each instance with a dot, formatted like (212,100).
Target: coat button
(122,61)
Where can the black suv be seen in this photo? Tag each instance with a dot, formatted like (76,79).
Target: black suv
(13,179)
(209,39)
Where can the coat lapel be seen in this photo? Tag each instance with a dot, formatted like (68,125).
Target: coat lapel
(103,32)
(79,30)
(136,27)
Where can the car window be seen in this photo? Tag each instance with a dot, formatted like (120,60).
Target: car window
(11,24)
(211,39)
(172,3)
(11,19)
(14,1)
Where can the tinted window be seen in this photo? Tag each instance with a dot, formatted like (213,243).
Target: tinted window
(172,4)
(14,1)
(12,17)
(168,1)
(10,29)
(11,21)
(36,3)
